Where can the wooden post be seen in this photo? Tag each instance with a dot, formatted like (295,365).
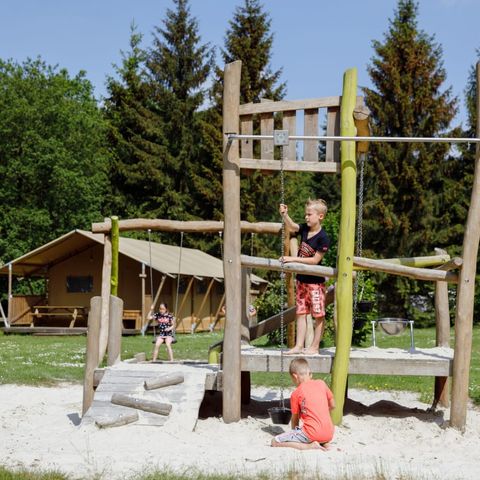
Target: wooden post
(91,360)
(466,294)
(115,245)
(343,289)
(442,328)
(10,294)
(232,245)
(104,318)
(115,330)
(204,300)
(143,276)
(245,297)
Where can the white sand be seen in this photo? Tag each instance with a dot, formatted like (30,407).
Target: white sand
(40,430)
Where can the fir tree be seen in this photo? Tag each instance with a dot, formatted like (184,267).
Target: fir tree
(249,39)
(404,179)
(179,67)
(136,138)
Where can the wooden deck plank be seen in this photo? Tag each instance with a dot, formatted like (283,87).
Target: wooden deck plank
(370,361)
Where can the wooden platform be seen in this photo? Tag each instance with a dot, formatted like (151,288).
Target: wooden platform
(56,331)
(129,378)
(436,362)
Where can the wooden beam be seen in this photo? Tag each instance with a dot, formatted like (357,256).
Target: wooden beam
(290,165)
(293,267)
(404,271)
(187,226)
(232,245)
(281,106)
(466,293)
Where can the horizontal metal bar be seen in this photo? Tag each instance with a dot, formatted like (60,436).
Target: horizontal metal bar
(333,138)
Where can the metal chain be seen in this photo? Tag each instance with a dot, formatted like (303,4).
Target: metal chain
(151,273)
(359,248)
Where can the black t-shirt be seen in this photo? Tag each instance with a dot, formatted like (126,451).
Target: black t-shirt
(309,247)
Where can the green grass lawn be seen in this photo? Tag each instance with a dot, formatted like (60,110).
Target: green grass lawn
(42,360)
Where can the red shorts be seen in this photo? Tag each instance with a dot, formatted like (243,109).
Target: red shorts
(310,298)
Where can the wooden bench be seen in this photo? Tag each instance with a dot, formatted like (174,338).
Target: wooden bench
(71,313)
(132,316)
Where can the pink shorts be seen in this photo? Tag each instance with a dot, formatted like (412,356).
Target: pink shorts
(310,298)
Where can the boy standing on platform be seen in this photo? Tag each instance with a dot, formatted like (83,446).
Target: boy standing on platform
(310,289)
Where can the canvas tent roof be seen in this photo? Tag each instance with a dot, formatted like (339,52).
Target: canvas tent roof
(165,258)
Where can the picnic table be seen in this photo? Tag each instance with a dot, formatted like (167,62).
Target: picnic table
(70,312)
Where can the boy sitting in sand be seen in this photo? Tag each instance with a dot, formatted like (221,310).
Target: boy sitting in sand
(311,403)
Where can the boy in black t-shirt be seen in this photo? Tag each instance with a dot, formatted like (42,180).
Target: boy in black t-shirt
(310,289)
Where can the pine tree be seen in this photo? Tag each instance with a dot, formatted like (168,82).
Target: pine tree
(404,179)
(136,139)
(249,39)
(179,67)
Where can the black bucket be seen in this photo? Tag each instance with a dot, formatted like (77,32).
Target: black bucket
(365,306)
(280,415)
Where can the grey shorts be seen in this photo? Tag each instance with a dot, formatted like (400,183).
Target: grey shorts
(296,435)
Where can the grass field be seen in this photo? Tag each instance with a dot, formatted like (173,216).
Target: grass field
(42,360)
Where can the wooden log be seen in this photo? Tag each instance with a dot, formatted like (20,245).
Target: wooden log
(427,261)
(361,116)
(466,293)
(404,271)
(292,267)
(122,419)
(115,245)
(91,360)
(344,284)
(187,226)
(115,330)
(143,404)
(232,245)
(163,381)
(104,318)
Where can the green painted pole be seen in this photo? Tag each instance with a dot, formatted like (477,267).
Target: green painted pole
(346,245)
(115,242)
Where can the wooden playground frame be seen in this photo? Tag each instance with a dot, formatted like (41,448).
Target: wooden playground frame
(345,117)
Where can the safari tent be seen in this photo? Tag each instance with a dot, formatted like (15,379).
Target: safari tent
(71,266)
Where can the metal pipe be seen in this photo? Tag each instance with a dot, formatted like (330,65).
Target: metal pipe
(359,139)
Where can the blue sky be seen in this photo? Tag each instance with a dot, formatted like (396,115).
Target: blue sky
(315,40)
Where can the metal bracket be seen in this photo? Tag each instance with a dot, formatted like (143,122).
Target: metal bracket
(280,137)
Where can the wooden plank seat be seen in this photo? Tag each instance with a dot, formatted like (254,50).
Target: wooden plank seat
(71,313)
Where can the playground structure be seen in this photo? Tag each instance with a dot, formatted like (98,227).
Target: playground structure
(238,122)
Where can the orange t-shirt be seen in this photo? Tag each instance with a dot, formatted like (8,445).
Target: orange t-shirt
(311,401)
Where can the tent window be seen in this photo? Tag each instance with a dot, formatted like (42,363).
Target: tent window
(79,284)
